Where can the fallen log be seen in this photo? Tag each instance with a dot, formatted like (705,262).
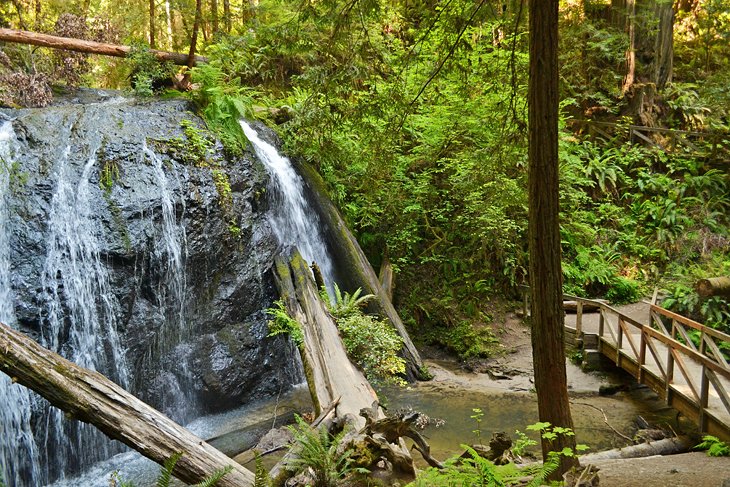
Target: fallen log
(572,306)
(89,47)
(332,378)
(667,446)
(236,442)
(90,397)
(330,374)
(360,274)
(713,286)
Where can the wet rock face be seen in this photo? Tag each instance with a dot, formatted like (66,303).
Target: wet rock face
(195,329)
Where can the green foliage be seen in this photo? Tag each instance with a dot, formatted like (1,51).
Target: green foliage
(374,346)
(283,324)
(477,416)
(261,478)
(371,343)
(714,446)
(323,453)
(345,304)
(147,72)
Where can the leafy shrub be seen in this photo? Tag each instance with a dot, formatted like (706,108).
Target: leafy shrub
(374,346)
(622,291)
(148,74)
(323,453)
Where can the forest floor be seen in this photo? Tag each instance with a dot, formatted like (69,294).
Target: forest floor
(512,371)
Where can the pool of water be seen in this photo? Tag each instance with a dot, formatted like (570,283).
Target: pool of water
(452,398)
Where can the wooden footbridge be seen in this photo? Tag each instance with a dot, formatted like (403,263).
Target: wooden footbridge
(679,359)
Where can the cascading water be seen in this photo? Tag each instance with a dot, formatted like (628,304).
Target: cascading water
(79,316)
(169,253)
(16,435)
(293,220)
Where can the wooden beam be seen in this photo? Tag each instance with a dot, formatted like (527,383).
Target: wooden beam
(90,397)
(89,47)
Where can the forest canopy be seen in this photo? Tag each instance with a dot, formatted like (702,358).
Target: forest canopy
(414,112)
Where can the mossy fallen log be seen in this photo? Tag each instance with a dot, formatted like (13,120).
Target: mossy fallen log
(713,286)
(88,396)
(359,273)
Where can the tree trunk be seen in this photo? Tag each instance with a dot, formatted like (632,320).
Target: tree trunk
(90,397)
(385,276)
(664,44)
(713,286)
(91,47)
(227,15)
(194,37)
(667,446)
(214,15)
(38,14)
(631,51)
(544,230)
(330,374)
(152,24)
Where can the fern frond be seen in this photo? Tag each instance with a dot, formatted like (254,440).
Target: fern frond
(550,466)
(214,478)
(166,470)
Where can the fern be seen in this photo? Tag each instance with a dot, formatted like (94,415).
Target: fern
(214,478)
(714,446)
(346,304)
(550,466)
(262,478)
(166,470)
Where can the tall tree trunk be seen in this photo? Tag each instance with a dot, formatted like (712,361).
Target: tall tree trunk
(152,24)
(227,15)
(631,51)
(37,15)
(196,27)
(546,278)
(664,44)
(19,10)
(214,15)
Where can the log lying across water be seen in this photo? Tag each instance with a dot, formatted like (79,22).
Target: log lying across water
(90,397)
(89,47)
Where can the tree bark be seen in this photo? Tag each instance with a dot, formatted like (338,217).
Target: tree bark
(631,51)
(91,47)
(152,24)
(227,15)
(667,446)
(713,286)
(214,15)
(90,397)
(546,277)
(664,44)
(194,37)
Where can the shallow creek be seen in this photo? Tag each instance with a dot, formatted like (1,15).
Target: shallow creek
(507,405)
(453,394)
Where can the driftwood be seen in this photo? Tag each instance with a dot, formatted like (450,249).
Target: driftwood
(89,47)
(667,446)
(713,286)
(330,374)
(90,397)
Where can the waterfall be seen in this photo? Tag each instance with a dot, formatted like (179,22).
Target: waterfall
(79,316)
(175,378)
(294,221)
(16,436)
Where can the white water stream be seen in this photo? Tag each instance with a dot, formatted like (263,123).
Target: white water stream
(16,435)
(293,219)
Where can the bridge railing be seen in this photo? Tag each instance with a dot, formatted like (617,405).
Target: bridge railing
(665,349)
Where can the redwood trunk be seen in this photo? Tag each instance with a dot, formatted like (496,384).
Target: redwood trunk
(152,24)
(544,230)
(196,28)
(90,47)
(90,397)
